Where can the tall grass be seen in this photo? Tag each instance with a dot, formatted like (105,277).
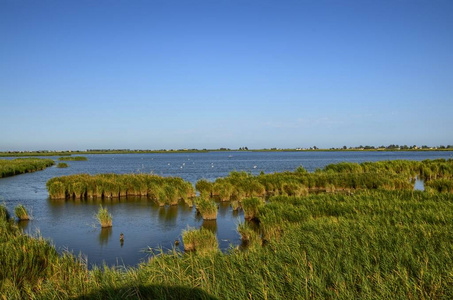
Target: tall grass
(202,240)
(251,207)
(23,165)
(376,243)
(104,218)
(207,208)
(62,165)
(21,212)
(163,190)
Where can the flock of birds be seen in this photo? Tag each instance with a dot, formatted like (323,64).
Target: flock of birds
(184,164)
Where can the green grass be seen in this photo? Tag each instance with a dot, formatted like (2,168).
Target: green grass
(384,242)
(62,165)
(23,165)
(251,207)
(73,158)
(163,190)
(202,240)
(104,218)
(21,212)
(207,208)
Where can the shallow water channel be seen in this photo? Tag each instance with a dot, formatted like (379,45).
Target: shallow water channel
(71,224)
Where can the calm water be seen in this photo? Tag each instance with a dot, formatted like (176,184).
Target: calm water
(71,225)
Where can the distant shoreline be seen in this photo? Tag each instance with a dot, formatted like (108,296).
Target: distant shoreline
(68,153)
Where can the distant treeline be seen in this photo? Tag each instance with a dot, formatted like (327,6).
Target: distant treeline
(313,148)
(23,165)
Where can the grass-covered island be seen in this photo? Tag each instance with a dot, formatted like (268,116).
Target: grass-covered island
(337,233)
(73,158)
(23,165)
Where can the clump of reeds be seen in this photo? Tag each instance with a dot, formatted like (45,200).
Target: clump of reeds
(104,218)
(207,208)
(251,207)
(62,165)
(21,212)
(248,235)
(204,186)
(200,240)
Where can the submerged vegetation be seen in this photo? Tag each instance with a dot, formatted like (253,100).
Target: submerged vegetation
(73,158)
(23,165)
(364,233)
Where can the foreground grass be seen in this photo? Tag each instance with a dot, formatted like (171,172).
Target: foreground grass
(373,244)
(23,165)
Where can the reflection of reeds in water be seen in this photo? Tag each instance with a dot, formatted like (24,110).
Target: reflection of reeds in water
(210,225)
(105,235)
(168,214)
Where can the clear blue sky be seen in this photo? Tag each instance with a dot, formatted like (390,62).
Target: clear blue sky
(209,74)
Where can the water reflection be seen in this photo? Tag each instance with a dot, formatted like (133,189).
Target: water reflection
(168,214)
(223,208)
(210,225)
(23,224)
(105,235)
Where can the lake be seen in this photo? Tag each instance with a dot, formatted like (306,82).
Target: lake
(71,224)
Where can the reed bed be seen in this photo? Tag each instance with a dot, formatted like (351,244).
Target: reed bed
(23,165)
(73,158)
(62,165)
(386,175)
(164,190)
(380,242)
(202,240)
(21,213)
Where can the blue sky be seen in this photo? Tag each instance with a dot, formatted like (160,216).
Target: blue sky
(210,74)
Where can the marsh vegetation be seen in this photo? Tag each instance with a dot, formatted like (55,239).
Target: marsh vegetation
(23,165)
(337,233)
(73,158)
(163,190)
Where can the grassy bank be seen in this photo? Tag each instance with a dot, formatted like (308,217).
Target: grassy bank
(23,165)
